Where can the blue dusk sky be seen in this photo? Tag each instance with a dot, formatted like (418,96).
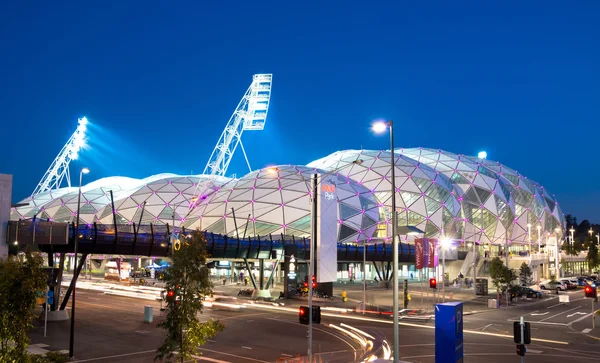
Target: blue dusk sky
(159,81)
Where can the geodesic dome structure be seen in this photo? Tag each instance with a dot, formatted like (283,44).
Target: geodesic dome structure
(277,200)
(497,202)
(155,199)
(424,198)
(461,196)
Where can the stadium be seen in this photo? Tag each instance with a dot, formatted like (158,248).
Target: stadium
(439,193)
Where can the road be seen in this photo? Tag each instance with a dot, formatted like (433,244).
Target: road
(111,329)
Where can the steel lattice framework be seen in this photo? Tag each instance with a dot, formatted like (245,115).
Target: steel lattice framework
(59,169)
(250,114)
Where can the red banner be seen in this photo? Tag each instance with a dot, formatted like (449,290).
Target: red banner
(419,253)
(432,258)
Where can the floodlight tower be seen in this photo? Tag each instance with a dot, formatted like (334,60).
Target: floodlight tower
(59,169)
(250,114)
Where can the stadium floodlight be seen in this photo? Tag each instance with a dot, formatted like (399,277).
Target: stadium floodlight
(59,169)
(250,114)
(482,155)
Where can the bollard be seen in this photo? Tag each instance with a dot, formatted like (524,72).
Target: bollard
(148,316)
(344,296)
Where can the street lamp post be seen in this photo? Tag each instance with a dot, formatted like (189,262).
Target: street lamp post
(76,243)
(445,246)
(364,276)
(560,272)
(529,238)
(539,238)
(381,127)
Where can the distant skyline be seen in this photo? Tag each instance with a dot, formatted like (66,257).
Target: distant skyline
(159,83)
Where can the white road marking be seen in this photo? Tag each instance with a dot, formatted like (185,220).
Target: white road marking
(198,357)
(586,330)
(229,354)
(555,315)
(116,356)
(540,314)
(245,347)
(485,327)
(534,351)
(286,355)
(577,313)
(249,321)
(208,340)
(326,332)
(580,319)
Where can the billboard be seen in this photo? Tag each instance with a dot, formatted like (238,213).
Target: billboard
(426,253)
(419,253)
(327,229)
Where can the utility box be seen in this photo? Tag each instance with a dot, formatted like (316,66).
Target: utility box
(481,287)
(493,303)
(148,316)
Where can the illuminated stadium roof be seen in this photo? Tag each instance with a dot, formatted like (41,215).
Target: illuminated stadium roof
(463,197)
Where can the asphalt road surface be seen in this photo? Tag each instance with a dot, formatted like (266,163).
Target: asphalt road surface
(111,329)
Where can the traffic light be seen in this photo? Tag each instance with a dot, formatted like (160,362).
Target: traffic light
(314,282)
(303,314)
(432,283)
(170,295)
(590,291)
(526,333)
(521,350)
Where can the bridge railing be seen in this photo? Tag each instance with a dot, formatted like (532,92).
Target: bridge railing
(153,240)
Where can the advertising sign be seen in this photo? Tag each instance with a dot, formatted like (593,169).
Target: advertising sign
(327,229)
(419,253)
(449,333)
(432,258)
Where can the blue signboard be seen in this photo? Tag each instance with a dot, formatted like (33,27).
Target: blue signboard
(449,333)
(50,297)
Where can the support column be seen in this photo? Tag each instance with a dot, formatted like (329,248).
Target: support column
(261,273)
(250,275)
(61,268)
(63,305)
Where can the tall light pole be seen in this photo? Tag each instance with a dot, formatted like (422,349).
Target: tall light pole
(445,245)
(381,127)
(529,236)
(557,263)
(76,243)
(364,276)
(539,238)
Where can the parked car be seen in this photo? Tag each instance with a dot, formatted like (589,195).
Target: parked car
(527,291)
(553,285)
(570,283)
(582,281)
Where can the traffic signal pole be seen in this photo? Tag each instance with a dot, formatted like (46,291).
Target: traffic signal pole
(313,218)
(523,337)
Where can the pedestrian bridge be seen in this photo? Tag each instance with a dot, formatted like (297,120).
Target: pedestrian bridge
(153,240)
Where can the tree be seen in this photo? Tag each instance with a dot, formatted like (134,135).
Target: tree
(525,274)
(20,283)
(502,276)
(188,277)
(571,249)
(593,257)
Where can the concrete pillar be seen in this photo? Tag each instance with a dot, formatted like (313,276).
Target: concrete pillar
(5,204)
